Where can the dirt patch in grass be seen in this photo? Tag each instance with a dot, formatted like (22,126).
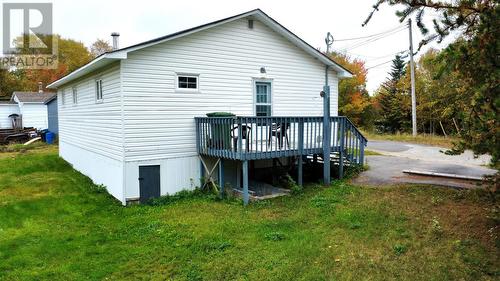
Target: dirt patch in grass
(420,139)
(372,153)
(12,150)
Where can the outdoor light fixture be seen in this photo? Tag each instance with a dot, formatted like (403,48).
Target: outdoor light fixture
(322,94)
(263,70)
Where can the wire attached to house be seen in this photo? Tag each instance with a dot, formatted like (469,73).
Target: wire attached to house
(373,58)
(369,36)
(373,39)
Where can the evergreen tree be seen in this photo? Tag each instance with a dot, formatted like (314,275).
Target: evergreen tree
(398,68)
(391,100)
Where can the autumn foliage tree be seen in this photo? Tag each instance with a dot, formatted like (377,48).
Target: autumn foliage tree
(71,55)
(354,101)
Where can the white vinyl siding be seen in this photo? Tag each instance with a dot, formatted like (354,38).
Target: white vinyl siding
(158,119)
(5,111)
(34,115)
(96,127)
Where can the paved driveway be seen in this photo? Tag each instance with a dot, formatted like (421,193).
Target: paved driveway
(398,156)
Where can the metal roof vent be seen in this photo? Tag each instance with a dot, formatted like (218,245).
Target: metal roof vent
(115,36)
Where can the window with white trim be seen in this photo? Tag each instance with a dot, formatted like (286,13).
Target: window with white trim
(98,90)
(262,99)
(75,96)
(187,82)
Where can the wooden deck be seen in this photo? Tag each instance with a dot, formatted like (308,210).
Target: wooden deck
(275,137)
(256,138)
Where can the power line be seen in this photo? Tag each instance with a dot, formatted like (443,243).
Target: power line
(380,64)
(373,39)
(368,36)
(372,58)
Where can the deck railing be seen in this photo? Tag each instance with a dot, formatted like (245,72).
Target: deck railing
(252,138)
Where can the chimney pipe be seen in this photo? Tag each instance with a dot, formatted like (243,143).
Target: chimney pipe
(40,88)
(115,36)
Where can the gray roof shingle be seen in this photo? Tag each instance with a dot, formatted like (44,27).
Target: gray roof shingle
(32,96)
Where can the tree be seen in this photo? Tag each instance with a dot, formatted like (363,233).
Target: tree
(9,82)
(71,55)
(99,47)
(354,101)
(473,59)
(392,100)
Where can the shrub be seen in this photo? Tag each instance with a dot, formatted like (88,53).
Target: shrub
(181,195)
(98,188)
(289,183)
(275,236)
(400,249)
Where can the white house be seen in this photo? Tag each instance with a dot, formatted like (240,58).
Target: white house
(134,107)
(30,105)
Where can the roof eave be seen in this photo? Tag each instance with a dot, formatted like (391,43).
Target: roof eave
(103,60)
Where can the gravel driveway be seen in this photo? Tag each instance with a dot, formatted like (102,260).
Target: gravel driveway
(398,156)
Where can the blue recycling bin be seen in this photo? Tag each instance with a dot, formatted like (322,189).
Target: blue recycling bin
(49,137)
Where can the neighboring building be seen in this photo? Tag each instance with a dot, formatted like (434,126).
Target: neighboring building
(30,105)
(52,118)
(134,108)
(7,108)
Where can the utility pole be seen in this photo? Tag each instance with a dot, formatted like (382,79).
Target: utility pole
(413,97)
(326,117)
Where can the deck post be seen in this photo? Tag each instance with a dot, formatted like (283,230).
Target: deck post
(221,178)
(202,172)
(301,152)
(341,152)
(238,175)
(326,132)
(273,172)
(362,152)
(300,172)
(245,182)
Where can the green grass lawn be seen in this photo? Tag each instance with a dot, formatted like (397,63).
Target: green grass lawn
(56,225)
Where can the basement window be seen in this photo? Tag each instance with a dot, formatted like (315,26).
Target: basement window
(187,82)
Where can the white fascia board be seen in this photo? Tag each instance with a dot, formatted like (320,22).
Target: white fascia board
(97,63)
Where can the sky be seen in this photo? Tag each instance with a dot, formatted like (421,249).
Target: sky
(137,21)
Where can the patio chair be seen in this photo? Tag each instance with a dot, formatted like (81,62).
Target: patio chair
(279,131)
(246,132)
